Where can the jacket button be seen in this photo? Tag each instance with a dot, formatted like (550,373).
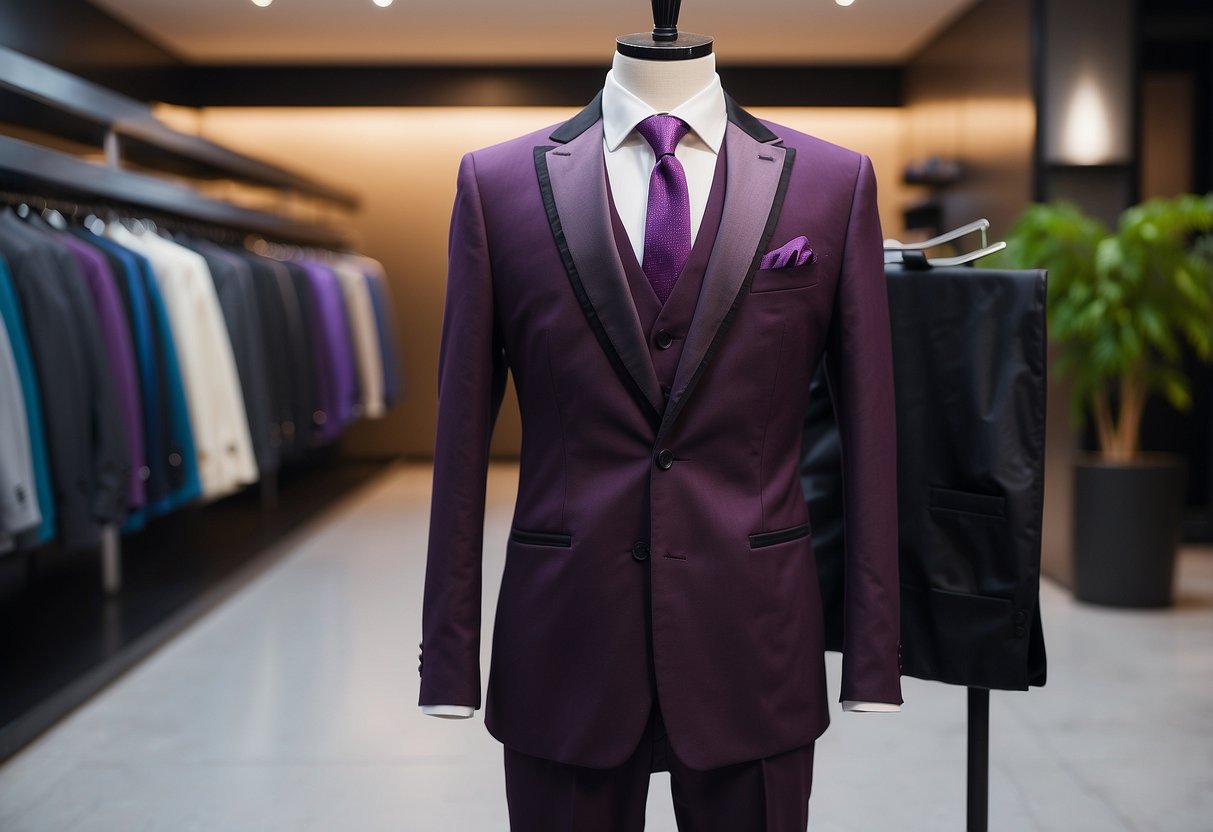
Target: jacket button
(665,459)
(664,339)
(641,550)
(1020,616)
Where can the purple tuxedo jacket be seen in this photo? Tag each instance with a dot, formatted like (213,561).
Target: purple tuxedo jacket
(660,544)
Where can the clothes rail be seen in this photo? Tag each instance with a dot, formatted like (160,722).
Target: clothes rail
(28,166)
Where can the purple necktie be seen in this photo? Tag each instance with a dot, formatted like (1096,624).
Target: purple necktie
(667,227)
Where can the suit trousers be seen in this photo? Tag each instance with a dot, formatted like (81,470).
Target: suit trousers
(766,795)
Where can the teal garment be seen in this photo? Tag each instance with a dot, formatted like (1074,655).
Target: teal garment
(14,324)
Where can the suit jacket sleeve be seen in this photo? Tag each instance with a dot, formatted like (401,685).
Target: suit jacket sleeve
(471,382)
(859,366)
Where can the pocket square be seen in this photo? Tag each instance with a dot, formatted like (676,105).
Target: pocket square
(795,252)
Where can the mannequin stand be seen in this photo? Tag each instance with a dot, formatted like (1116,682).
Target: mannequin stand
(978,803)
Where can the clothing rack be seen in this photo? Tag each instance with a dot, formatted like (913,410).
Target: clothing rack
(65,109)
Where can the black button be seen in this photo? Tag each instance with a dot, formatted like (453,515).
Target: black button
(665,459)
(641,550)
(1020,631)
(20,494)
(665,391)
(663,339)
(1020,616)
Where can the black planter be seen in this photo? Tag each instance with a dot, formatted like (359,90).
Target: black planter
(1126,530)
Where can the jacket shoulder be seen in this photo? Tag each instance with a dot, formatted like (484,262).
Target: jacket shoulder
(507,154)
(820,150)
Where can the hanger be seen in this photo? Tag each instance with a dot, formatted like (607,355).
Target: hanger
(912,256)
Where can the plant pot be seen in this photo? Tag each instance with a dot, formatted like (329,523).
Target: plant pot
(1126,529)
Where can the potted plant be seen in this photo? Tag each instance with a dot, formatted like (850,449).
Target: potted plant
(1122,306)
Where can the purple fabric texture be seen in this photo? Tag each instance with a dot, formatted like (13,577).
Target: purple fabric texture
(795,252)
(650,494)
(120,352)
(333,351)
(667,225)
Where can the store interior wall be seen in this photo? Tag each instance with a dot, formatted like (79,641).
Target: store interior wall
(968,97)
(402,162)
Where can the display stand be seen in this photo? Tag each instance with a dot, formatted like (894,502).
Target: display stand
(977,814)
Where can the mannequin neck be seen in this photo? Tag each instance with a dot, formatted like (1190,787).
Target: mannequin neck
(663,85)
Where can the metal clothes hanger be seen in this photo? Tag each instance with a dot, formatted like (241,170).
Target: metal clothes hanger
(911,254)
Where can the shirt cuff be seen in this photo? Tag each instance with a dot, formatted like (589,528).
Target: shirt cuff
(448,711)
(870,707)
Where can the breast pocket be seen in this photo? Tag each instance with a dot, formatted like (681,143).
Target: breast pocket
(783,280)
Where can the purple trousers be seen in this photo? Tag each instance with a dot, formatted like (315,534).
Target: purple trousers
(767,795)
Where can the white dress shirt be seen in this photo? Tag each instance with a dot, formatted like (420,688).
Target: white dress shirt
(214,398)
(629,165)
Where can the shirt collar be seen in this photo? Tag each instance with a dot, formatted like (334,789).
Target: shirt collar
(704,112)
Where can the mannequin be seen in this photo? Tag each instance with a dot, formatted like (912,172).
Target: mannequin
(663,85)
(661,274)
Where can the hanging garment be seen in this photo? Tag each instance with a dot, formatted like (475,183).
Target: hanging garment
(242,315)
(10,315)
(173,464)
(969,372)
(333,351)
(216,404)
(86,435)
(313,384)
(287,365)
(376,280)
(115,332)
(18,490)
(365,334)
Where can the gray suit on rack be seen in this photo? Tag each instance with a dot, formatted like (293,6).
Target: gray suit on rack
(19,509)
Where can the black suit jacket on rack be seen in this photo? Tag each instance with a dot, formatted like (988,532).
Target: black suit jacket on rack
(86,438)
(969,370)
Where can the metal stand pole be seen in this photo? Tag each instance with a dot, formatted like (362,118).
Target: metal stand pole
(111,560)
(979,761)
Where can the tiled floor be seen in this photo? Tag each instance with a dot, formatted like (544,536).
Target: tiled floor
(293,707)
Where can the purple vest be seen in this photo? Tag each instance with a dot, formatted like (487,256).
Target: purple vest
(665,326)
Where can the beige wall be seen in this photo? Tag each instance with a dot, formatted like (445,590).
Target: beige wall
(402,162)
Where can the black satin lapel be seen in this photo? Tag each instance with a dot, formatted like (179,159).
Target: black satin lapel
(572,179)
(755,185)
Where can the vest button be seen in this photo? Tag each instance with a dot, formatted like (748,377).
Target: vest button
(665,459)
(641,550)
(663,339)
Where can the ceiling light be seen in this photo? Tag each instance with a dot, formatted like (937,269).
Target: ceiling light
(844,2)
(383,4)
(262,3)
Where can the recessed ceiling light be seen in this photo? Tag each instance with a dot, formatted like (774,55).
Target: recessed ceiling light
(262,3)
(383,4)
(844,2)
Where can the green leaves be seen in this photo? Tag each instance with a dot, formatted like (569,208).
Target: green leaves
(1122,305)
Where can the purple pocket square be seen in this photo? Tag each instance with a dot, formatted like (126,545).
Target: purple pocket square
(795,252)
